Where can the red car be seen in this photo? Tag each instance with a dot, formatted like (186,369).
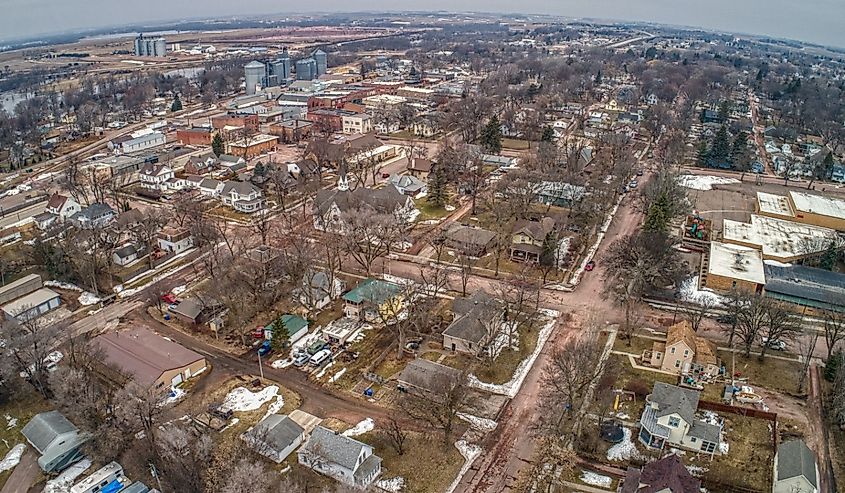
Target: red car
(590,266)
(385,175)
(169,298)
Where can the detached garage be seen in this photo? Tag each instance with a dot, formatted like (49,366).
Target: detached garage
(150,359)
(32,305)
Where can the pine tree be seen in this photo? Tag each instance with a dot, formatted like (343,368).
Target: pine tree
(739,150)
(832,365)
(657,218)
(703,154)
(548,257)
(721,149)
(548,134)
(491,136)
(280,338)
(724,110)
(598,78)
(177,104)
(217,145)
(828,259)
(827,167)
(437,187)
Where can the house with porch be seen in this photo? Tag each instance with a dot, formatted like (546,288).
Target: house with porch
(373,300)
(242,196)
(155,176)
(529,238)
(669,420)
(340,457)
(684,352)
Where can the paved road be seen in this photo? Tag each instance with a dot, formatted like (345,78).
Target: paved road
(24,475)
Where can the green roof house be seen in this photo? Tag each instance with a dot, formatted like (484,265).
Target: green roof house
(371,297)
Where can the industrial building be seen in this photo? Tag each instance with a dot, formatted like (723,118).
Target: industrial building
(321,59)
(306,69)
(804,208)
(156,47)
(255,74)
(778,239)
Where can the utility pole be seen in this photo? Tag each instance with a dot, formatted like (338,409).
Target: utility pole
(260,367)
(154,473)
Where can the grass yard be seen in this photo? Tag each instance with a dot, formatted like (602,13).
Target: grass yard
(749,461)
(636,345)
(516,144)
(429,211)
(23,409)
(427,465)
(503,368)
(627,374)
(772,374)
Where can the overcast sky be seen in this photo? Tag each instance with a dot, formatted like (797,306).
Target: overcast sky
(819,21)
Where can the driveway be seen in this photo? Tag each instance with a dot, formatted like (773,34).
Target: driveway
(24,475)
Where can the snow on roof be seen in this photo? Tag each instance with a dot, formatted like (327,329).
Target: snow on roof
(736,262)
(817,204)
(770,203)
(778,239)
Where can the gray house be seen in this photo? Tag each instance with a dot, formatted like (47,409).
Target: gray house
(275,437)
(669,420)
(342,458)
(94,216)
(427,379)
(56,439)
(796,470)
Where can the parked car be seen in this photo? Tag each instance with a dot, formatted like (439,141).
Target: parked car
(321,357)
(726,319)
(316,346)
(264,349)
(774,344)
(590,266)
(301,359)
(639,172)
(633,184)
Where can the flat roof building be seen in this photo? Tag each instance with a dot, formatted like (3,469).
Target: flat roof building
(804,207)
(734,266)
(778,239)
(815,289)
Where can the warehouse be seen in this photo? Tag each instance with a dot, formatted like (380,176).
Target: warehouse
(32,305)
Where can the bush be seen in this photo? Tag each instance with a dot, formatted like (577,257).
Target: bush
(640,388)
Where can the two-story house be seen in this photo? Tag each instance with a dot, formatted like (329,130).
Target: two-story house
(357,123)
(155,176)
(343,458)
(667,475)
(201,164)
(94,216)
(683,352)
(529,238)
(373,300)
(330,205)
(242,196)
(175,240)
(59,208)
(669,420)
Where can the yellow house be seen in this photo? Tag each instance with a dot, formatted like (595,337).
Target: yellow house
(683,352)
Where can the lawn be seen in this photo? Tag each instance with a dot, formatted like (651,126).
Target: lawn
(23,409)
(636,345)
(504,366)
(627,374)
(748,464)
(427,465)
(429,211)
(516,144)
(772,374)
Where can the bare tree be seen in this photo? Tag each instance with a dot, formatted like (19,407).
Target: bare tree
(442,408)
(572,369)
(834,331)
(698,310)
(369,235)
(466,263)
(30,340)
(247,476)
(732,304)
(184,458)
(147,229)
(781,325)
(396,434)
(806,347)
(751,321)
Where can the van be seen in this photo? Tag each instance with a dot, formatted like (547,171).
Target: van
(321,357)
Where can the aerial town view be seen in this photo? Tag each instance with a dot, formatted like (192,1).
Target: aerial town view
(437,251)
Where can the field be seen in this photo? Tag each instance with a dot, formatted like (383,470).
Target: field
(749,462)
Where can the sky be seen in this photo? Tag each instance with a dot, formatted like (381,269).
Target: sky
(816,21)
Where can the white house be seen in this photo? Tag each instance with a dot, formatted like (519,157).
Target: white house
(62,206)
(210,187)
(141,143)
(155,176)
(669,420)
(316,292)
(175,240)
(796,470)
(342,458)
(242,196)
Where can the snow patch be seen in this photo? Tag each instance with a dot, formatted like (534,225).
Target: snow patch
(623,450)
(281,363)
(775,263)
(242,399)
(364,426)
(691,294)
(178,290)
(511,388)
(13,457)
(704,182)
(334,378)
(63,482)
(175,394)
(392,485)
(449,208)
(322,372)
(276,406)
(11,422)
(470,453)
(477,423)
(595,479)
(697,471)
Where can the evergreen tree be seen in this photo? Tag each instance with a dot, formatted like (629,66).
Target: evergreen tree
(703,154)
(832,365)
(548,257)
(702,117)
(281,338)
(739,149)
(658,215)
(491,136)
(724,110)
(217,145)
(548,134)
(177,104)
(828,258)
(598,78)
(827,167)
(437,187)
(260,169)
(721,149)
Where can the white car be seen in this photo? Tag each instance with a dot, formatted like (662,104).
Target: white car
(775,344)
(51,362)
(321,357)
